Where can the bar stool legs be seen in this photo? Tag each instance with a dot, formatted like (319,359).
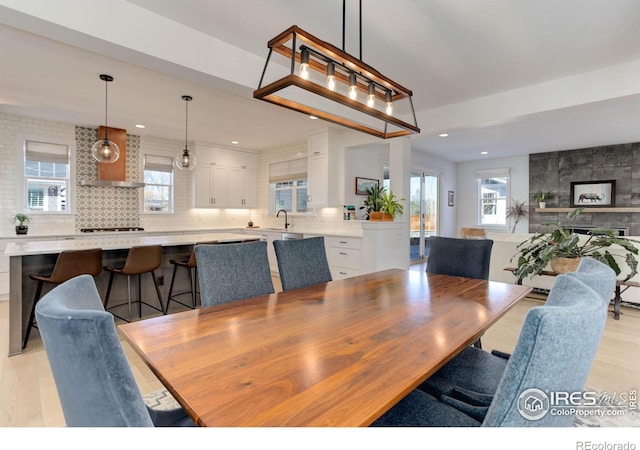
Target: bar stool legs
(140,260)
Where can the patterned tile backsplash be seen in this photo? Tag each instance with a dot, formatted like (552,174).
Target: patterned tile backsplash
(105,207)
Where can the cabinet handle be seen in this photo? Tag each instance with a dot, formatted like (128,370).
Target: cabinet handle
(343,242)
(342,273)
(212,164)
(243,167)
(342,253)
(316,153)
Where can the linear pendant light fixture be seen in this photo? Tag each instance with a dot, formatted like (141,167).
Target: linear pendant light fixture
(186,160)
(104,150)
(306,74)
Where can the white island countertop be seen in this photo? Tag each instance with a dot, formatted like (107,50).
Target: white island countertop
(23,248)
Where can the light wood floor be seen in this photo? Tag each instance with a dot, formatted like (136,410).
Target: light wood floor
(28,396)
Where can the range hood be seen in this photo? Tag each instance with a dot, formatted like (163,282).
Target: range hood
(113,174)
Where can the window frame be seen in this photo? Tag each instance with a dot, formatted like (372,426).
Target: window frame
(22,200)
(481,200)
(172,186)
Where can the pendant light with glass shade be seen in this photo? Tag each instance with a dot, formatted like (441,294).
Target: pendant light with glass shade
(104,150)
(186,160)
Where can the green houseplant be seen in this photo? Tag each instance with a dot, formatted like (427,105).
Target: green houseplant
(373,202)
(541,197)
(21,219)
(603,244)
(391,204)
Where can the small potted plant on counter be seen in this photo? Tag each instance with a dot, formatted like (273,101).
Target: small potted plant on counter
(391,206)
(561,249)
(541,197)
(373,202)
(21,220)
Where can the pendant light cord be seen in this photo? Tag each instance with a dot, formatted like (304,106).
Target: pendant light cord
(106,99)
(344,20)
(186,122)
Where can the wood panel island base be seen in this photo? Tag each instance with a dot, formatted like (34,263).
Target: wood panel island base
(334,354)
(27,257)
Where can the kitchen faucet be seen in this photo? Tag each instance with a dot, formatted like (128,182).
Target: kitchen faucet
(286,221)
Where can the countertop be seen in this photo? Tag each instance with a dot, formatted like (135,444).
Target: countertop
(119,242)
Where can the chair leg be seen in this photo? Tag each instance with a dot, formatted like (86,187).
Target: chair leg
(32,315)
(192,283)
(106,299)
(155,284)
(173,279)
(140,295)
(477,344)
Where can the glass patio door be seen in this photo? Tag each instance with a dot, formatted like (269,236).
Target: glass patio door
(423,205)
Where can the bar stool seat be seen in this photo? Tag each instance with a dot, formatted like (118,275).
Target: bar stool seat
(140,260)
(70,264)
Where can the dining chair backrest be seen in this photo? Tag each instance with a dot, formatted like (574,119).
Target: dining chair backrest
(554,352)
(92,375)
(232,272)
(302,262)
(598,276)
(459,257)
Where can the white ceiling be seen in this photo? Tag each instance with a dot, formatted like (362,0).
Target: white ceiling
(509,77)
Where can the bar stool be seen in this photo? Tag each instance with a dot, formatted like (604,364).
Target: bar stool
(70,264)
(192,268)
(140,260)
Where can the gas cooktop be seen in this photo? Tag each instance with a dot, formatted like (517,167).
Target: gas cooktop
(107,230)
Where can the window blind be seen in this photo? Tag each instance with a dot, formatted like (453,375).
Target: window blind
(158,163)
(44,152)
(295,169)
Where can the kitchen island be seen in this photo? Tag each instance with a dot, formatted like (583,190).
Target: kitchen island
(40,256)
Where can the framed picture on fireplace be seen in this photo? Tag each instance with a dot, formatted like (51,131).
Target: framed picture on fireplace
(590,194)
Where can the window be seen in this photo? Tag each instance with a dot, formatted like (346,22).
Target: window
(158,188)
(288,186)
(46,174)
(493,187)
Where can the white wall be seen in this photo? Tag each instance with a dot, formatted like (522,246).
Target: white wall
(446,171)
(466,190)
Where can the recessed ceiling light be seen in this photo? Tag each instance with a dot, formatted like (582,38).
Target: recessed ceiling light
(484,152)
(140,126)
(235,142)
(312,117)
(443,134)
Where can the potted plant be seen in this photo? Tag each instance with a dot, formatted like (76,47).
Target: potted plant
(391,205)
(21,220)
(518,210)
(541,197)
(373,202)
(560,246)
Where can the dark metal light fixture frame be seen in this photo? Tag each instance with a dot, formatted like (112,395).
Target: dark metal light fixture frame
(104,150)
(323,55)
(186,160)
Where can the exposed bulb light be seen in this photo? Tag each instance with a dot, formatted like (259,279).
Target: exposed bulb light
(371,97)
(331,77)
(186,160)
(304,64)
(353,87)
(388,106)
(104,150)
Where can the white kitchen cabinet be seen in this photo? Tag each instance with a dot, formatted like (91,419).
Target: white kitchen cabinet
(211,156)
(323,171)
(243,188)
(211,186)
(225,179)
(268,237)
(343,256)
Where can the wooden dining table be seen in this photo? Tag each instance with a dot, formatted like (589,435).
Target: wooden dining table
(334,354)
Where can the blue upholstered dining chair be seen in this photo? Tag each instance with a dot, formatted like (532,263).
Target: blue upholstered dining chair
(229,272)
(302,262)
(92,375)
(469,258)
(459,257)
(478,373)
(554,352)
